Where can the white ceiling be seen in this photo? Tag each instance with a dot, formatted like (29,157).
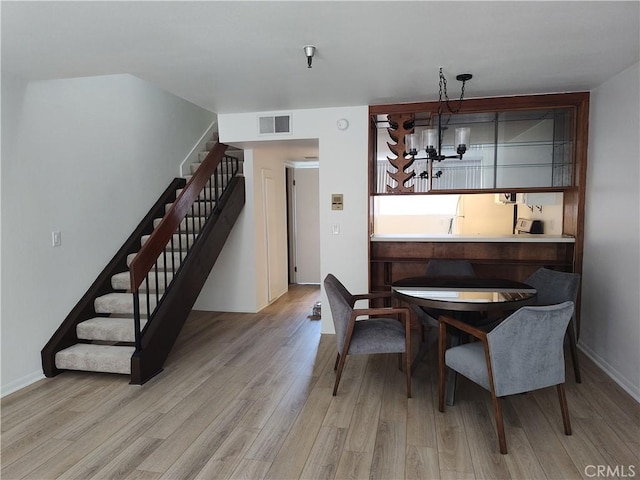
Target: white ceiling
(248,56)
(241,56)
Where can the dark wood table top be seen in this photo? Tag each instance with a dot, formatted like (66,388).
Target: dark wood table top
(464,293)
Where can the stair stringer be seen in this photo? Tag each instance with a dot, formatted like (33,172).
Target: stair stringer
(159,336)
(66,335)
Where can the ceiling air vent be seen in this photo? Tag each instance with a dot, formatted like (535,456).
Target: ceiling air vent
(274,124)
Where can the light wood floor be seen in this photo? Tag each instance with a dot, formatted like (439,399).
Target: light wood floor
(249,396)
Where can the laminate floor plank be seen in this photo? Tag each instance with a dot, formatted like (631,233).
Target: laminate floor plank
(43,405)
(174,446)
(231,452)
(272,436)
(127,461)
(325,454)
(93,462)
(198,453)
(454,455)
(36,456)
(544,438)
(342,406)
(142,475)
(363,428)
(249,396)
(482,438)
(391,437)
(421,411)
(354,465)
(421,463)
(292,456)
(38,393)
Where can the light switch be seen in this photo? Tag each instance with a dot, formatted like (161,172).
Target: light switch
(56,239)
(335,228)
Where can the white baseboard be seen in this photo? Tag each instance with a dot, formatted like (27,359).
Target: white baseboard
(625,384)
(22,382)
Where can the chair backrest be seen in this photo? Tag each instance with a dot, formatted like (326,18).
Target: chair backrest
(526,349)
(341,305)
(554,287)
(458,268)
(346,294)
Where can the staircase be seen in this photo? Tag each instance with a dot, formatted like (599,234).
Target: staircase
(127,323)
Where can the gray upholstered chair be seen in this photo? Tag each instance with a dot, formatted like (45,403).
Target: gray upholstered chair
(555,287)
(521,354)
(374,334)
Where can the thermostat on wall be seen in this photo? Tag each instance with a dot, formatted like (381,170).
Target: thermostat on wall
(336,201)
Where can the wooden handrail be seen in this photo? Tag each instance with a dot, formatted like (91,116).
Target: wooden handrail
(147,256)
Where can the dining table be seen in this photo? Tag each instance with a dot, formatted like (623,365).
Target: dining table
(455,295)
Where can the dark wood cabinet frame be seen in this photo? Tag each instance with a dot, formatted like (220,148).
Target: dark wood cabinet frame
(515,260)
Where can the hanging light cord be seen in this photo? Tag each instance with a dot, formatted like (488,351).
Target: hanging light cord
(443,89)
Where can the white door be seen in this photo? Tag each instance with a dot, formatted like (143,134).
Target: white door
(271,239)
(307,225)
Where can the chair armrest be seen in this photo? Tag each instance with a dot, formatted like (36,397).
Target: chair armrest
(465,327)
(359,312)
(387,311)
(372,295)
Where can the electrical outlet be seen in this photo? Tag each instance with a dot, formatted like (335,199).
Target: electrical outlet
(56,239)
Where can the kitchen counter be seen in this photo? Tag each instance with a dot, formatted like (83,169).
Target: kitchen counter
(514,257)
(522,238)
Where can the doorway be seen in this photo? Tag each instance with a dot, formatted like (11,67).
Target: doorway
(303,223)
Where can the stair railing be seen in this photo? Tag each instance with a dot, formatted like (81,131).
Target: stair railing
(176,234)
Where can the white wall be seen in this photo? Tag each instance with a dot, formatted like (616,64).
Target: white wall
(343,169)
(610,324)
(87,157)
(481,215)
(231,285)
(239,280)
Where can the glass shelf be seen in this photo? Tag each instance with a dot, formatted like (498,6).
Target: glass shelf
(515,149)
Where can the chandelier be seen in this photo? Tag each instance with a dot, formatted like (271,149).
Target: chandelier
(431,138)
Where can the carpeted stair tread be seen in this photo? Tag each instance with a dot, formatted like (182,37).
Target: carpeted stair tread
(180,241)
(102,354)
(122,281)
(96,358)
(108,329)
(122,303)
(199,208)
(206,194)
(193,223)
(223,167)
(177,259)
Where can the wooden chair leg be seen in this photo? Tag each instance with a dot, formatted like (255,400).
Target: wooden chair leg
(497,410)
(335,366)
(408,369)
(574,351)
(564,409)
(407,354)
(442,344)
(341,363)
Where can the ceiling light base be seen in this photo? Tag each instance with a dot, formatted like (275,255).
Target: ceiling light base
(309,51)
